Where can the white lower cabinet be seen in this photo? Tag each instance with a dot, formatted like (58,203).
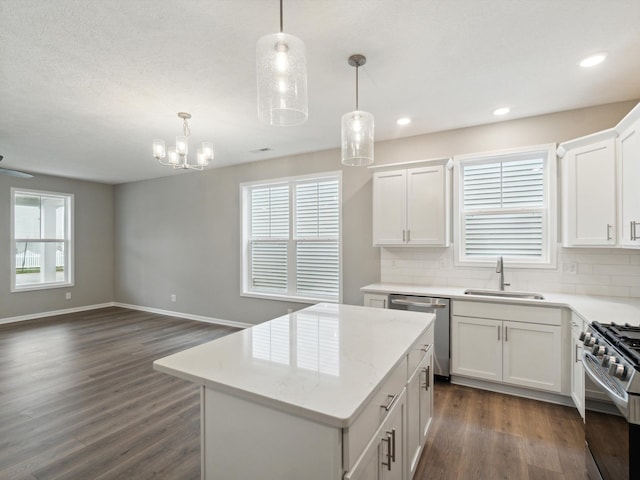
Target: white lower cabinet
(577,370)
(525,351)
(384,456)
(395,449)
(375,300)
(420,410)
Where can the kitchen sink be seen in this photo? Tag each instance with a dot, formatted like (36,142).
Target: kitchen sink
(501,293)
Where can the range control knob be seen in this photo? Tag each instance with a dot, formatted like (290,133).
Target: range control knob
(599,350)
(591,341)
(608,360)
(585,337)
(618,370)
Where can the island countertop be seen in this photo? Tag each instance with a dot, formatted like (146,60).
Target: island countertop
(322,363)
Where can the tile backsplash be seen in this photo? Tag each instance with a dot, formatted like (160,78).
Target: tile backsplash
(611,272)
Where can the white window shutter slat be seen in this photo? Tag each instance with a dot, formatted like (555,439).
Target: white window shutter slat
(502,208)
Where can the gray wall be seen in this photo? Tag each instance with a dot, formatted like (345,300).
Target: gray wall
(180,234)
(94,224)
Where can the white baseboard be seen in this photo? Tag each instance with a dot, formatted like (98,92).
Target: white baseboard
(51,313)
(188,316)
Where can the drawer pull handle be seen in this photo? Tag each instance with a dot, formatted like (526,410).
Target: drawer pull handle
(390,439)
(425,348)
(427,380)
(393,444)
(392,400)
(608,231)
(498,332)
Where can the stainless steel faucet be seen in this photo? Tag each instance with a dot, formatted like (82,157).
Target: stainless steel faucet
(500,270)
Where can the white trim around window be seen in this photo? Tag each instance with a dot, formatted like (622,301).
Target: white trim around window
(42,246)
(505,204)
(291,242)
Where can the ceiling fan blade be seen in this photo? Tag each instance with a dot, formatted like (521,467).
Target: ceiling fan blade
(15,173)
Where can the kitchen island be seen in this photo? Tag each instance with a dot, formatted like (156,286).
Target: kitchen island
(328,392)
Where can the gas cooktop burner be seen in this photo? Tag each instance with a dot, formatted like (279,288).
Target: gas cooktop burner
(625,337)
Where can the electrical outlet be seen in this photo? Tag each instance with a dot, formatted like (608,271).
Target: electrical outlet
(570,267)
(174,298)
(67,295)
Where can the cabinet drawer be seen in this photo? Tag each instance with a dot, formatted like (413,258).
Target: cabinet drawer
(418,351)
(507,311)
(357,436)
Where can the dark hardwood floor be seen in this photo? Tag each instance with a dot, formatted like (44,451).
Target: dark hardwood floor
(79,400)
(482,435)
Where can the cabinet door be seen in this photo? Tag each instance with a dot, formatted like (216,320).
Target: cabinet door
(427,211)
(426,396)
(476,347)
(368,465)
(590,196)
(389,207)
(531,355)
(392,448)
(577,372)
(629,190)
(374,300)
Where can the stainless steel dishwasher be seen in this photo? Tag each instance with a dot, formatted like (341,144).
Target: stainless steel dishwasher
(441,331)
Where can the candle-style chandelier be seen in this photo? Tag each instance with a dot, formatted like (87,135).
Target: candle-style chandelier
(177,156)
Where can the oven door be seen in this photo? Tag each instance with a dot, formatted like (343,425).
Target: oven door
(609,435)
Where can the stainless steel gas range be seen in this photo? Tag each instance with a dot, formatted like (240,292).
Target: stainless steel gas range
(611,362)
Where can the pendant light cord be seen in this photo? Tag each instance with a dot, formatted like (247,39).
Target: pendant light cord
(357,67)
(281,16)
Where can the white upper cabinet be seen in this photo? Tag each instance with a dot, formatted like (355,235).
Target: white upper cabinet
(411,206)
(390,207)
(628,149)
(600,178)
(589,192)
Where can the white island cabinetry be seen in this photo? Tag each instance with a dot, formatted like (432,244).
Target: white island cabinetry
(328,392)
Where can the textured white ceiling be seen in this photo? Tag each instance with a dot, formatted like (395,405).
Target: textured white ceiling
(85,85)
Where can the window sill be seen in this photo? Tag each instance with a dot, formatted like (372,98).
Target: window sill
(42,286)
(288,298)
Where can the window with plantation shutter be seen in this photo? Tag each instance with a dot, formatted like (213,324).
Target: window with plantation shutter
(291,238)
(505,206)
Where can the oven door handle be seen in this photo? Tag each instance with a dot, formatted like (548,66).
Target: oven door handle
(621,402)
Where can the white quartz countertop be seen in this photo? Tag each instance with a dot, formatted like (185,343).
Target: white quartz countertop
(590,307)
(323,362)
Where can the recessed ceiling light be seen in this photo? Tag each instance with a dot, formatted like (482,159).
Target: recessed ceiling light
(501,111)
(593,60)
(403,121)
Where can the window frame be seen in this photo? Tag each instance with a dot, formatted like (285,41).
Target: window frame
(245,241)
(548,259)
(68,241)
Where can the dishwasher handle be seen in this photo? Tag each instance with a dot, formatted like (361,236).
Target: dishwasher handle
(413,303)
